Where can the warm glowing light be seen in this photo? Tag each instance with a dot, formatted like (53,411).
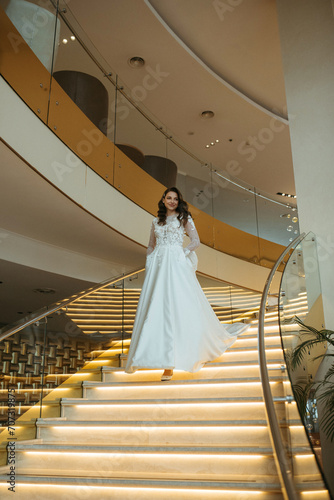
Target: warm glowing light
(173,405)
(204,493)
(316,492)
(97,361)
(65,41)
(176,386)
(153,428)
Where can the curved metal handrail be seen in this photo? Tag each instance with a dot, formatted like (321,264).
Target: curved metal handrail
(289,490)
(40,314)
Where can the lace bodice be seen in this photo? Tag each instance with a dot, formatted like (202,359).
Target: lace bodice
(172,233)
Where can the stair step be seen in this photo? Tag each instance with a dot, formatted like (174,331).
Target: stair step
(54,488)
(176,409)
(199,433)
(172,462)
(219,371)
(172,389)
(150,462)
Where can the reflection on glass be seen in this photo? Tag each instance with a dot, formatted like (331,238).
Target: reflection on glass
(135,135)
(84,81)
(37,24)
(277,222)
(235,206)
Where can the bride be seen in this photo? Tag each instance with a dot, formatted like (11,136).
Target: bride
(175,326)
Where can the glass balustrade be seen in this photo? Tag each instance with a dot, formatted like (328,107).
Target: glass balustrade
(300,297)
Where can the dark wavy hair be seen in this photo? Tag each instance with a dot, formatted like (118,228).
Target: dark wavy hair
(182,208)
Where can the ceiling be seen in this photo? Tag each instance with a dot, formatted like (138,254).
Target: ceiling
(198,57)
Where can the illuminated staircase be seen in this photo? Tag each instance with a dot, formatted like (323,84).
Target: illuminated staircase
(200,436)
(110,310)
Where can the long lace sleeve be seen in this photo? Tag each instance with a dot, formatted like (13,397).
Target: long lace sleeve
(152,241)
(193,235)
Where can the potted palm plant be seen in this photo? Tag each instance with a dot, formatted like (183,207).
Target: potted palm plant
(320,390)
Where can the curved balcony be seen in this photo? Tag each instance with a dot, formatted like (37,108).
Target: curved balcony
(232,217)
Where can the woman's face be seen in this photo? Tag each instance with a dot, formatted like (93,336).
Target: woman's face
(171,201)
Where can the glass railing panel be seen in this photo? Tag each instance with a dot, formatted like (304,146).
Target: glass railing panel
(137,137)
(277,220)
(232,204)
(300,296)
(89,85)
(28,49)
(37,23)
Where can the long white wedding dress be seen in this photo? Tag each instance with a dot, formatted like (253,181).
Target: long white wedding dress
(175,326)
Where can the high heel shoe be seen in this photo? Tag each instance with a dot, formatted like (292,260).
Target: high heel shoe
(166,378)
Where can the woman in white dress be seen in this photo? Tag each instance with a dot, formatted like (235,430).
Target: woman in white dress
(175,326)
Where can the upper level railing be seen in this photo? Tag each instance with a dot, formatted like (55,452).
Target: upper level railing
(119,139)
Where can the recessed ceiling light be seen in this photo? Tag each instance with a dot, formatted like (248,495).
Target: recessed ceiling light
(65,41)
(72,38)
(136,62)
(207,114)
(287,195)
(212,143)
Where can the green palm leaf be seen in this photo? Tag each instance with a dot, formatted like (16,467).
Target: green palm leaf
(324,389)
